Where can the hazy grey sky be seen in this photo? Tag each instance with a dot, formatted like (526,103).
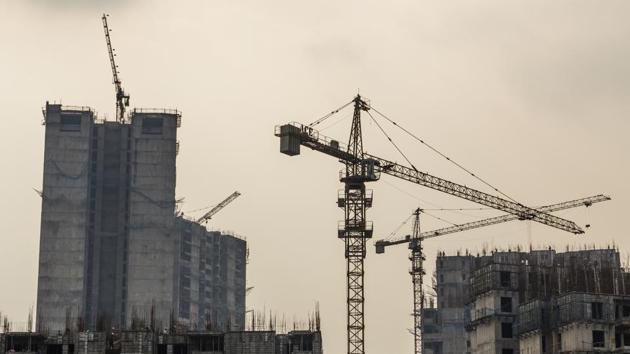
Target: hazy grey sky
(532,95)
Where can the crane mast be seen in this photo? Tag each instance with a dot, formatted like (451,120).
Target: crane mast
(356,230)
(417,274)
(122,99)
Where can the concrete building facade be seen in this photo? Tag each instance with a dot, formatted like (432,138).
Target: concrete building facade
(493,326)
(535,302)
(211,276)
(444,326)
(150,342)
(584,309)
(111,248)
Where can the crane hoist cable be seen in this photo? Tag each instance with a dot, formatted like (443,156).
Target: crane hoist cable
(412,165)
(443,155)
(397,229)
(406,221)
(408,161)
(438,218)
(424,201)
(392,141)
(199,209)
(332,113)
(341,119)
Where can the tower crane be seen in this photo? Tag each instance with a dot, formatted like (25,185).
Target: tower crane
(414,242)
(207,216)
(362,168)
(122,98)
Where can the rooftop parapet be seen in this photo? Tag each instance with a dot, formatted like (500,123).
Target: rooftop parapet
(161,111)
(57,108)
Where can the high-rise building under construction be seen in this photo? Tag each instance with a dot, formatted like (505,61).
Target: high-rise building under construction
(112,249)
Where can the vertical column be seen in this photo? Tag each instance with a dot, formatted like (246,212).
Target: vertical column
(152,235)
(65,218)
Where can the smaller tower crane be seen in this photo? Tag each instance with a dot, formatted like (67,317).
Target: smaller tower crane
(122,98)
(207,216)
(417,257)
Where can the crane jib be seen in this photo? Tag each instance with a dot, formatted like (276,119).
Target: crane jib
(588,201)
(293,135)
(476,196)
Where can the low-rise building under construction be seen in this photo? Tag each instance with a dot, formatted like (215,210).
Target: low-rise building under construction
(146,341)
(535,302)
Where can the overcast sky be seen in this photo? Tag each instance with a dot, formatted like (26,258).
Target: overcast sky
(531,95)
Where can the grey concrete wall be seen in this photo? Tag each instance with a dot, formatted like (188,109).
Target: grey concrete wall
(445,330)
(487,316)
(213,268)
(233,253)
(151,241)
(64,219)
(189,270)
(267,342)
(304,342)
(147,342)
(136,342)
(111,210)
(282,344)
(250,343)
(90,343)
